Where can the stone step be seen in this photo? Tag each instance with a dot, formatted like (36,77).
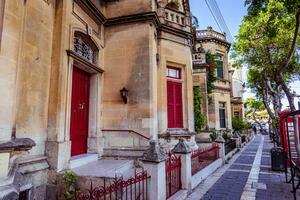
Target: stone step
(80,160)
(121,153)
(105,168)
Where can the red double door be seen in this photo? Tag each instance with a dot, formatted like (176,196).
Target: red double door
(174,98)
(79,111)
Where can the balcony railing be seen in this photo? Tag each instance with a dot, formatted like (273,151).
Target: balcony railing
(175,17)
(209,33)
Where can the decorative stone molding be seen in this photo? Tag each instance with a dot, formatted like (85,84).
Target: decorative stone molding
(154,153)
(182,132)
(20,176)
(182,147)
(17,144)
(236,135)
(220,139)
(169,138)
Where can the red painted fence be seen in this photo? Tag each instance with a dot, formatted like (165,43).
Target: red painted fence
(135,188)
(204,157)
(173,174)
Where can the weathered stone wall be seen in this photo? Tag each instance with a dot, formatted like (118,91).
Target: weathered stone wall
(9,60)
(128,63)
(33,75)
(125,7)
(25,62)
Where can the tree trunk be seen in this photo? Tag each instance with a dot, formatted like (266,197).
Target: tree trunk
(289,95)
(260,126)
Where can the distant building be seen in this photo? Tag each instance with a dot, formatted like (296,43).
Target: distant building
(216,105)
(238,89)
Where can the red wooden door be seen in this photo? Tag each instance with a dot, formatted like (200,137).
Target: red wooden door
(79,112)
(175,115)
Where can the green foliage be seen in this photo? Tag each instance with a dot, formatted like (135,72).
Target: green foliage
(213,136)
(239,125)
(200,119)
(254,104)
(264,42)
(226,135)
(211,71)
(69,180)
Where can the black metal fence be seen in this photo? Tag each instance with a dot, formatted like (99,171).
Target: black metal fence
(229,146)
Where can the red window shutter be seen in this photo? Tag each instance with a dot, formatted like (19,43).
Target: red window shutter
(174,101)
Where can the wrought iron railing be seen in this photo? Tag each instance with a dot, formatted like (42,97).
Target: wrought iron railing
(135,188)
(229,146)
(173,174)
(204,157)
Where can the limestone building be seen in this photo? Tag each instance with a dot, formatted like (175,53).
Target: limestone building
(216,105)
(238,89)
(85,79)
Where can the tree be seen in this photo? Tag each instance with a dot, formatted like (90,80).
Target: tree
(255,108)
(262,42)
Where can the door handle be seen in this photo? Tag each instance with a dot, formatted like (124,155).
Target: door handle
(81,106)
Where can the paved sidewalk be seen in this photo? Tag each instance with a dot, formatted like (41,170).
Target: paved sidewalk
(247,176)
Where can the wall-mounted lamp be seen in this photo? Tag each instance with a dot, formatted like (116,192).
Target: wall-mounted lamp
(124,94)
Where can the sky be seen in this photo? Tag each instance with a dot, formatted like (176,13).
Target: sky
(233,12)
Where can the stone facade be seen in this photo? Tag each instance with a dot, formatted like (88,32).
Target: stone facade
(238,89)
(133,42)
(215,43)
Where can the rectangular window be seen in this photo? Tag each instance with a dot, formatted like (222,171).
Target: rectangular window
(173,72)
(236,114)
(220,67)
(222,107)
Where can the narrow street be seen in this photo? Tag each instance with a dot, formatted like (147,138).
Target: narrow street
(247,176)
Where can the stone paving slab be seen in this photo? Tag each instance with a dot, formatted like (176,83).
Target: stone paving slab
(235,180)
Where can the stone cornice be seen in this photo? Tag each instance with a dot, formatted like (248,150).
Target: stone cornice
(98,16)
(215,40)
(95,13)
(222,88)
(175,31)
(148,16)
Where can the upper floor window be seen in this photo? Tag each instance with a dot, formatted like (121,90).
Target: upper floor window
(173,72)
(85,47)
(222,116)
(220,66)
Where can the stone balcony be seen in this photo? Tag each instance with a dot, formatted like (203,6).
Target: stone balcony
(175,17)
(222,84)
(210,33)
